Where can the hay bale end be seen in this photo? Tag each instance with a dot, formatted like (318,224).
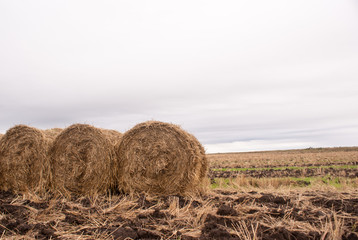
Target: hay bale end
(160,158)
(23,160)
(81,158)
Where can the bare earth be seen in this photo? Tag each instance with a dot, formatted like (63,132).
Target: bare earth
(304,157)
(268,211)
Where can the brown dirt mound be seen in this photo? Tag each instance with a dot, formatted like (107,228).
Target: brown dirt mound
(160,158)
(221,214)
(81,158)
(272,173)
(23,159)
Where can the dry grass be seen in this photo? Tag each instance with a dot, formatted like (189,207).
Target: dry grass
(245,232)
(242,182)
(284,183)
(81,161)
(160,158)
(24,165)
(305,157)
(333,228)
(314,214)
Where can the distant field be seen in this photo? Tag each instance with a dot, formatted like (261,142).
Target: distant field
(289,168)
(297,158)
(296,173)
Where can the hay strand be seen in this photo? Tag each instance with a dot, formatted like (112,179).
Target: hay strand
(81,158)
(160,158)
(23,160)
(112,135)
(52,133)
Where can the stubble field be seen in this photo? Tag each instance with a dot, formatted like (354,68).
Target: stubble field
(298,194)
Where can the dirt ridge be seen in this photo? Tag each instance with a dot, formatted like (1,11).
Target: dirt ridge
(219,215)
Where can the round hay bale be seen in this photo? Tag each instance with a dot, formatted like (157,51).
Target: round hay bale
(160,158)
(23,160)
(81,158)
(112,135)
(52,133)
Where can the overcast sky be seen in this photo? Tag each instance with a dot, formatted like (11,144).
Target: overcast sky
(239,75)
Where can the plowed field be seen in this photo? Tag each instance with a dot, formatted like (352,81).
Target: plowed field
(219,215)
(269,198)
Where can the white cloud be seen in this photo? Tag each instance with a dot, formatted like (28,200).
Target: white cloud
(233,71)
(258,145)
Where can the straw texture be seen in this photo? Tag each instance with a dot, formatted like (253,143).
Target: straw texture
(23,160)
(160,158)
(81,161)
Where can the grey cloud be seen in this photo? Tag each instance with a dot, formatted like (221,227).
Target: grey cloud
(228,72)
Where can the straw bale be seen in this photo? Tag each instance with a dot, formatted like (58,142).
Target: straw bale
(52,133)
(81,158)
(112,135)
(160,158)
(23,160)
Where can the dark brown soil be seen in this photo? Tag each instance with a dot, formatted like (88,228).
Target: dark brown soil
(219,215)
(351,163)
(271,173)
